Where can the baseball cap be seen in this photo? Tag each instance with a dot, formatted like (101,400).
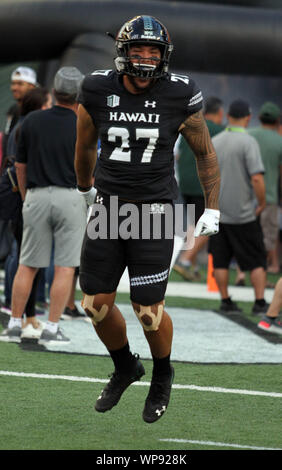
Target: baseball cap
(269,111)
(26,74)
(239,109)
(67,80)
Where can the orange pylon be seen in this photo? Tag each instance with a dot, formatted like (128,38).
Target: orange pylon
(211,282)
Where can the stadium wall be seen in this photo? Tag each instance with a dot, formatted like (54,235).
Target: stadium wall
(208,38)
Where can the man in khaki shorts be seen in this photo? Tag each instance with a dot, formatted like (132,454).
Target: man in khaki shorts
(49,213)
(53,211)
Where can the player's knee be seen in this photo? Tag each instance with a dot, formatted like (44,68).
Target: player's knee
(150,316)
(94,308)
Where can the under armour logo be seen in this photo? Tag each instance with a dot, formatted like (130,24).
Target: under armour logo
(148,103)
(157,208)
(99,200)
(160,412)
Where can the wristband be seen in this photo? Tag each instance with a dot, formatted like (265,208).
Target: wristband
(214,212)
(83,188)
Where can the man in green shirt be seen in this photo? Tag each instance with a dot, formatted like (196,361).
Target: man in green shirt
(191,189)
(270,143)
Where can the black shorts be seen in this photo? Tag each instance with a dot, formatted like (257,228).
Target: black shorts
(198,201)
(243,242)
(105,257)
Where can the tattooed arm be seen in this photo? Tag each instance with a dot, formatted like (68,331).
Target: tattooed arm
(196,133)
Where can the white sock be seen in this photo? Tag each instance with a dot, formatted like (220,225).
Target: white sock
(51,326)
(14,322)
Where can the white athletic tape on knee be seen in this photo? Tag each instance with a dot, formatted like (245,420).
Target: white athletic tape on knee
(95,315)
(148,319)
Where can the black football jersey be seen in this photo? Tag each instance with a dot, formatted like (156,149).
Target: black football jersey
(138,132)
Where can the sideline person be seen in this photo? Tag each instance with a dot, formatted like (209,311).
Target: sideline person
(240,235)
(271,321)
(52,209)
(270,144)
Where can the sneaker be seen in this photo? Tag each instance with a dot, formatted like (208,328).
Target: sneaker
(53,338)
(69,314)
(186,272)
(229,307)
(273,325)
(6,310)
(11,335)
(111,394)
(158,398)
(260,309)
(29,332)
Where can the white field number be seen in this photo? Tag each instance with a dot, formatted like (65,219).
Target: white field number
(122,153)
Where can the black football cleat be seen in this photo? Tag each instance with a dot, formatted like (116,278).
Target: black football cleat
(158,397)
(118,383)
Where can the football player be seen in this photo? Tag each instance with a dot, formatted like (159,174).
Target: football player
(137,112)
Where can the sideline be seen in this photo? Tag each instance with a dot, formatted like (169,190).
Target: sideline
(174,386)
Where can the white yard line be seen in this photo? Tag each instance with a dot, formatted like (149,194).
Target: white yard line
(175,386)
(217,444)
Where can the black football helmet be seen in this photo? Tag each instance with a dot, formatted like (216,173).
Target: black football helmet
(145,30)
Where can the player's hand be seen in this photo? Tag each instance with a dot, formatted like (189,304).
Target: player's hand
(208,223)
(89,196)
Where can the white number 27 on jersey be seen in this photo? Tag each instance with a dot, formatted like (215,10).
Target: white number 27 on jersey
(123,153)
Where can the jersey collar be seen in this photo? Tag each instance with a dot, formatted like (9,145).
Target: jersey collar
(235,129)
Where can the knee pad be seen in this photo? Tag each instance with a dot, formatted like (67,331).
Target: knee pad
(94,314)
(148,319)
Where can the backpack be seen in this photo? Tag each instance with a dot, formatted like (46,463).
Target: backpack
(10,198)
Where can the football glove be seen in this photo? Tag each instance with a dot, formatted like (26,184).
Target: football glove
(208,223)
(89,196)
